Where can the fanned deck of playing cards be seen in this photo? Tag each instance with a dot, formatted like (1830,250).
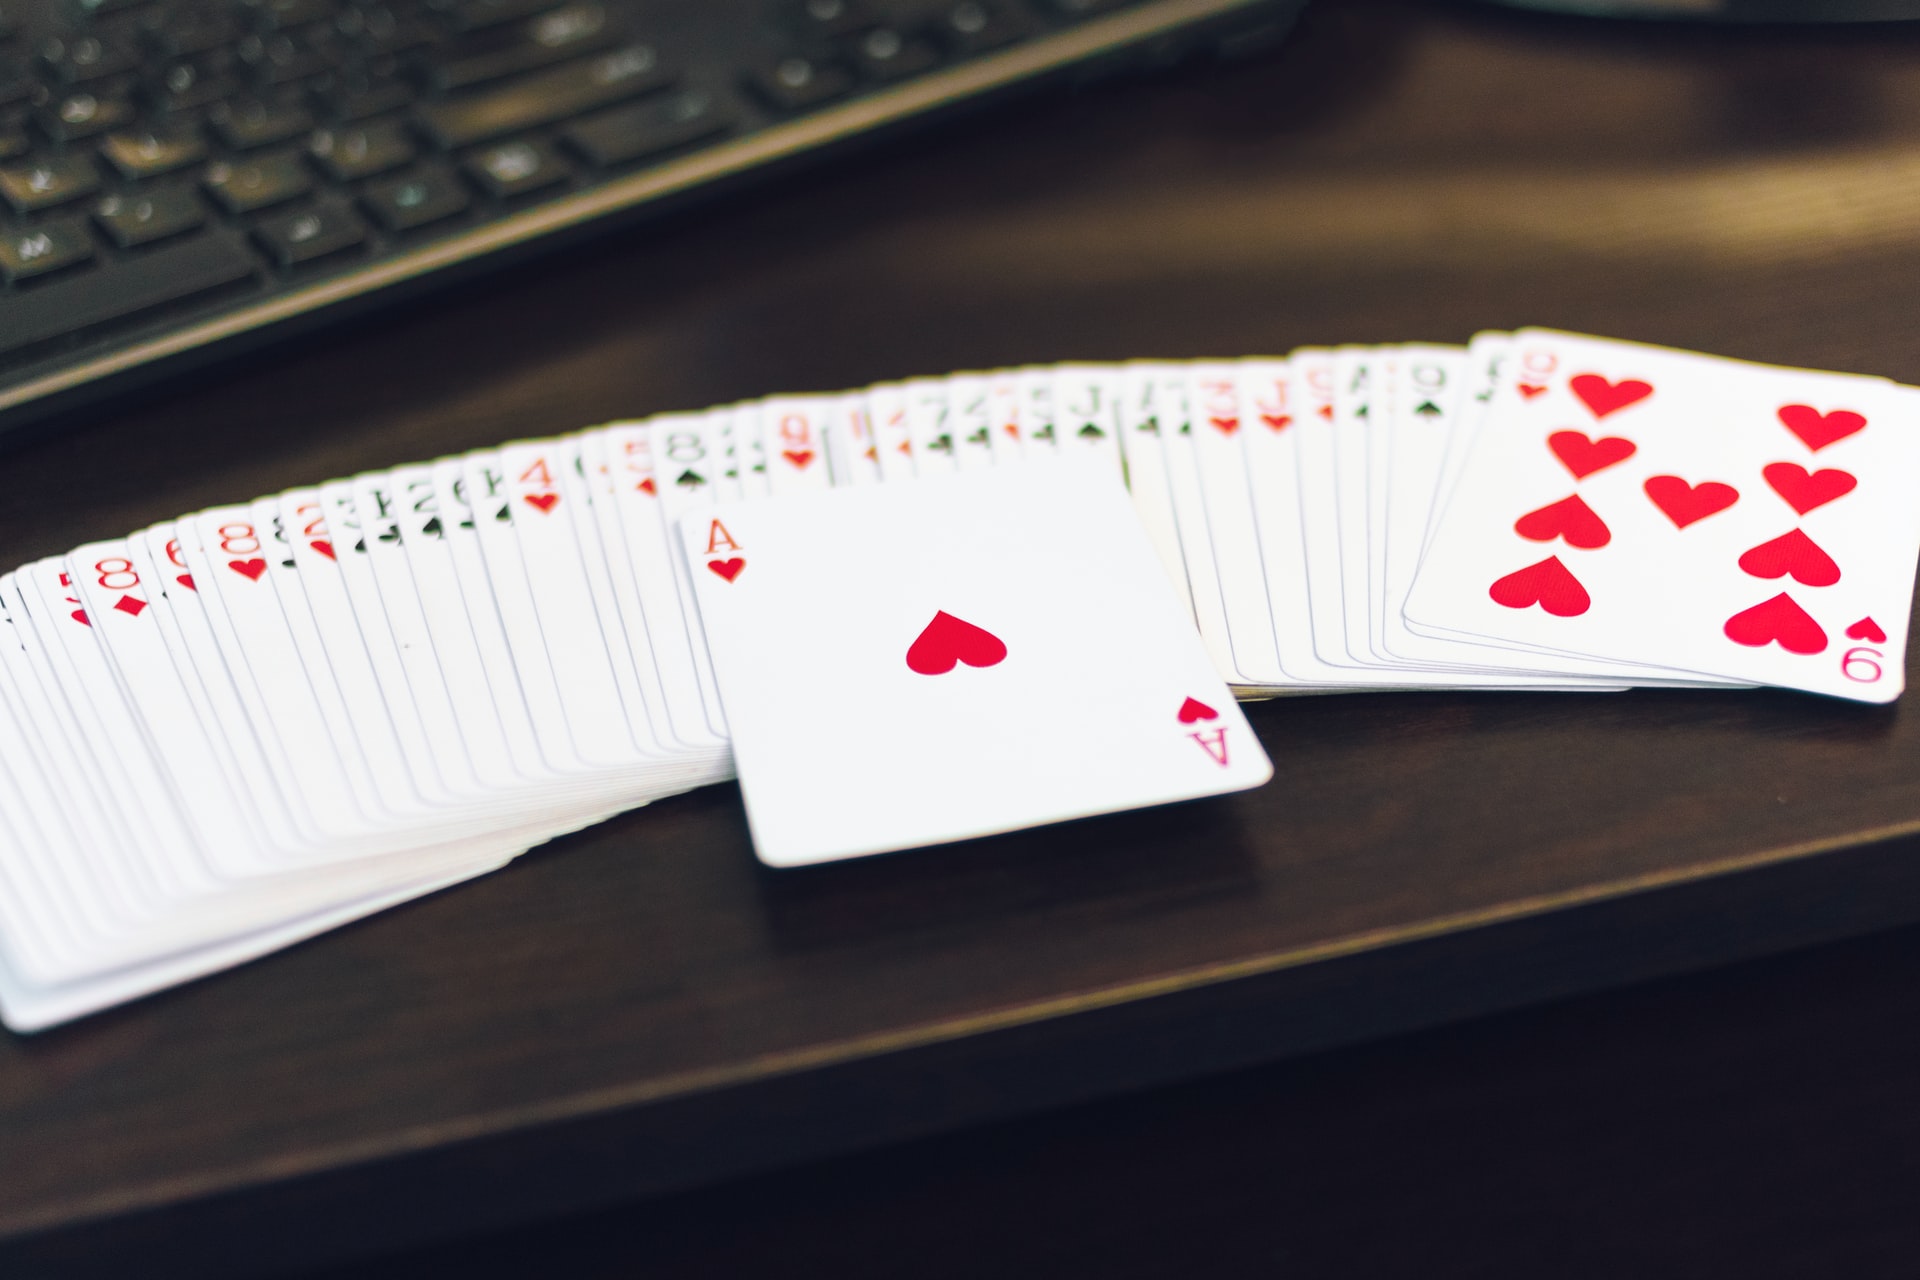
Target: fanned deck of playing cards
(923,612)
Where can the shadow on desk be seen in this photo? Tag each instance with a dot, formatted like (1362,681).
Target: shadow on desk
(1757,1121)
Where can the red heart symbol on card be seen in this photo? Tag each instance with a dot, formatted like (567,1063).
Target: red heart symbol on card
(1194,709)
(1325,411)
(1528,390)
(324,548)
(727,569)
(1817,430)
(798,457)
(646,486)
(947,640)
(1804,491)
(1548,584)
(1795,553)
(1867,629)
(80,616)
(541,501)
(1685,503)
(1777,621)
(1570,518)
(1583,455)
(1602,397)
(1225,426)
(1278,421)
(249,569)
(186,580)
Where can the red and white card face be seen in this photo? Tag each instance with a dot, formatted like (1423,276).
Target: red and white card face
(1694,514)
(1216,436)
(225,733)
(1006,398)
(1276,405)
(644,496)
(794,429)
(886,413)
(1007,654)
(852,449)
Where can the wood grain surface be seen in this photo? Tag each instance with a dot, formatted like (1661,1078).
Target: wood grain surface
(641,1007)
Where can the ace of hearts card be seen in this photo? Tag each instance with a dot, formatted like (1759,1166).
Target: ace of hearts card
(976,653)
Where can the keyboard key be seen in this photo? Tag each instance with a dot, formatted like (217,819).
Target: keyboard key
(17,83)
(975,26)
(82,58)
(278,15)
(197,31)
(357,97)
(49,181)
(82,115)
(294,238)
(170,273)
(886,53)
(377,29)
(515,168)
(153,152)
(259,182)
(567,32)
(648,128)
(281,58)
(256,122)
(426,196)
(42,250)
(796,83)
(360,151)
(832,17)
(551,96)
(196,83)
(468,15)
(14,142)
(135,220)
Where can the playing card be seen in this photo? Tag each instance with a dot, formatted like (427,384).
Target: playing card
(982,652)
(1151,393)
(1685,512)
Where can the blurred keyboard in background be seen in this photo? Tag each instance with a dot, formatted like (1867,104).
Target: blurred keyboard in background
(179,175)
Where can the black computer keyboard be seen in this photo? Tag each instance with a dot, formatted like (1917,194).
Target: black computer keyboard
(178,177)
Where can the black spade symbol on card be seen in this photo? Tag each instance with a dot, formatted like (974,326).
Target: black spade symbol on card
(390,534)
(504,515)
(360,545)
(433,528)
(1428,409)
(1044,433)
(942,443)
(690,479)
(1091,432)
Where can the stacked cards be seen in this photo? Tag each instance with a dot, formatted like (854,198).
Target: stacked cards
(920,612)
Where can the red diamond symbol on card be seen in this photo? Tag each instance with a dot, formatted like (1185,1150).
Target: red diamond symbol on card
(130,606)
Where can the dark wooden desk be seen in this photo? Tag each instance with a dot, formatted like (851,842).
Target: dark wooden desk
(641,1009)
